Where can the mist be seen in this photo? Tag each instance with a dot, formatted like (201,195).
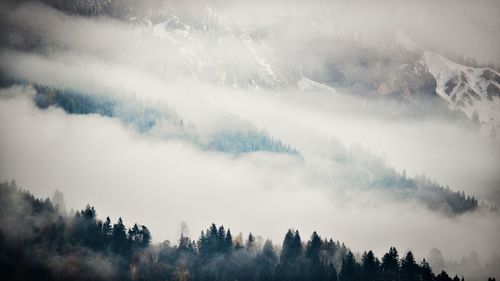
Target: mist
(265,67)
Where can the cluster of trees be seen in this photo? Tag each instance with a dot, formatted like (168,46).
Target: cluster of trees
(430,193)
(97,235)
(150,119)
(443,198)
(243,141)
(39,242)
(145,119)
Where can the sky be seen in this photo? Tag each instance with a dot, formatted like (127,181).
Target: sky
(232,69)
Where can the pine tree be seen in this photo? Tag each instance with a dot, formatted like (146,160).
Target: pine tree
(331,272)
(267,260)
(426,271)
(221,240)
(390,265)
(409,268)
(107,229)
(443,276)
(289,251)
(145,237)
(250,244)
(349,270)
(228,243)
(313,247)
(134,235)
(316,270)
(119,239)
(369,267)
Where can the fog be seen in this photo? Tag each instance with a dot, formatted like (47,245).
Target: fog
(94,159)
(238,64)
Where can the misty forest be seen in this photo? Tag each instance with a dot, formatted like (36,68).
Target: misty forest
(44,243)
(250,140)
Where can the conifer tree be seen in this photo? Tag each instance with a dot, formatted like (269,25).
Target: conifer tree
(369,267)
(390,265)
(409,269)
(349,270)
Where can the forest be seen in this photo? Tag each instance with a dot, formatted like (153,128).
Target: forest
(38,241)
(149,119)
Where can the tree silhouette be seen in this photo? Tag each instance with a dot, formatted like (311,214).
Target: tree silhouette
(350,268)
(369,267)
(390,265)
(409,269)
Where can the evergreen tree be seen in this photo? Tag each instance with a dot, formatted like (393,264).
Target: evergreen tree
(349,270)
(443,276)
(119,241)
(250,244)
(267,261)
(315,268)
(228,243)
(331,272)
(107,229)
(314,247)
(290,267)
(221,240)
(426,271)
(390,265)
(292,247)
(409,269)
(134,235)
(145,237)
(369,267)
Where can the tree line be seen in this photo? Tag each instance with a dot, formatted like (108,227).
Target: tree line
(39,242)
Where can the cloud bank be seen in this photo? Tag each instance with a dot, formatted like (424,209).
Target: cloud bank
(224,72)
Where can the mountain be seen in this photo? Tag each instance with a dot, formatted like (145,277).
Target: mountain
(475,91)
(401,70)
(217,49)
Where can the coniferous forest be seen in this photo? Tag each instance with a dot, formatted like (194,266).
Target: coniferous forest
(39,242)
(325,140)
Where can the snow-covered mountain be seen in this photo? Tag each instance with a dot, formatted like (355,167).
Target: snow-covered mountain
(402,69)
(224,49)
(475,91)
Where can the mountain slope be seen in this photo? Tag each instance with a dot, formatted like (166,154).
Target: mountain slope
(475,91)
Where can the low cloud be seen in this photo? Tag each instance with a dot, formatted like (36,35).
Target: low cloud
(98,160)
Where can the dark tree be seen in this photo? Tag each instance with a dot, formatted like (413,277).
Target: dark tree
(350,269)
(369,267)
(331,272)
(228,242)
(250,244)
(145,237)
(390,265)
(315,268)
(292,247)
(426,271)
(267,261)
(409,269)
(443,276)
(119,242)
(314,247)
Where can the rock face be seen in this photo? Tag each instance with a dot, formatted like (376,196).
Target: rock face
(408,77)
(475,91)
